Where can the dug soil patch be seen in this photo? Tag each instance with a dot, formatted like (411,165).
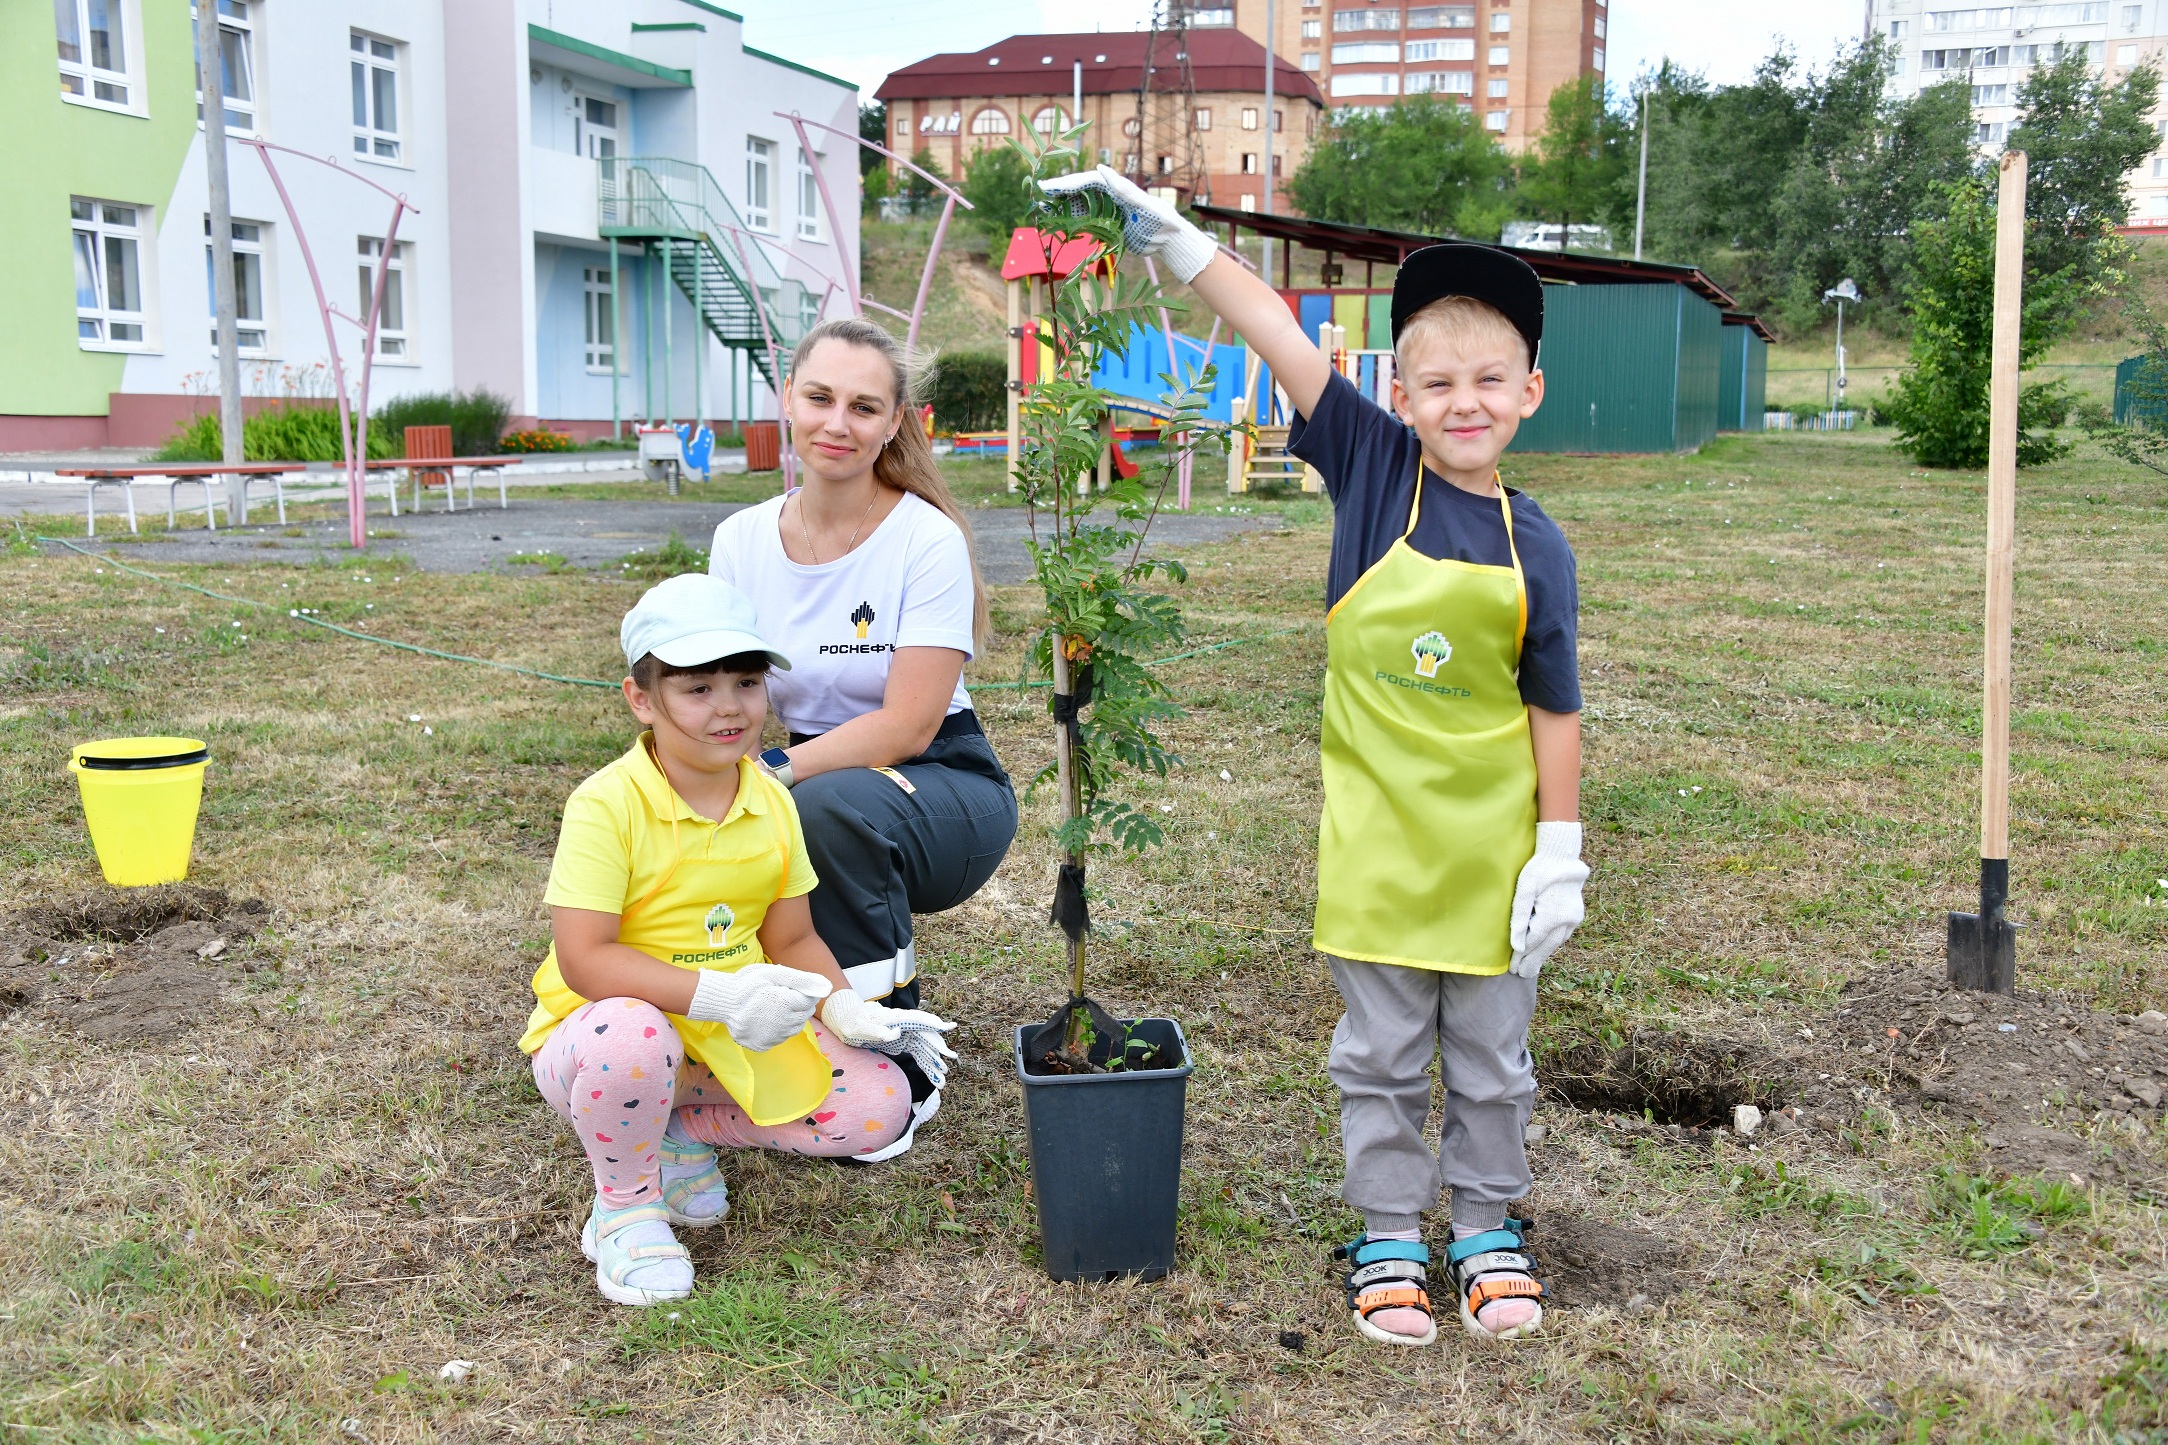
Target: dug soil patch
(2030,1069)
(1587,1262)
(1686,1080)
(128,967)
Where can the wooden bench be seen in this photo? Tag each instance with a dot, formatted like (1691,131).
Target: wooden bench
(176,475)
(447,465)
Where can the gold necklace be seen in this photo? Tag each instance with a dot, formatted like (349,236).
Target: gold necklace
(807,532)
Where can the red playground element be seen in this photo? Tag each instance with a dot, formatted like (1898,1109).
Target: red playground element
(1057,257)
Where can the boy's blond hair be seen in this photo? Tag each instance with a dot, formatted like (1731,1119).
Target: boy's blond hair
(1464,324)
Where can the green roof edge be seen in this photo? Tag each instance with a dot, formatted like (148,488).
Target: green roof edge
(794,65)
(716,10)
(609,57)
(640,29)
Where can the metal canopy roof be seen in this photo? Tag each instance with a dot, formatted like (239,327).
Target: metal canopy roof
(1373,243)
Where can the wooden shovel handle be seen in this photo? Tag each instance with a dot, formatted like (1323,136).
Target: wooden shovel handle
(2002,506)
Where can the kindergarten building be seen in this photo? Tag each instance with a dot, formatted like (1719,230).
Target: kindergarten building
(609,208)
(957,105)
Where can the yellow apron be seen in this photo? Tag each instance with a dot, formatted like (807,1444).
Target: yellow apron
(1430,777)
(788,1081)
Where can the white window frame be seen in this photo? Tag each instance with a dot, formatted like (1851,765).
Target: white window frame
(89,79)
(1497,120)
(808,197)
(1501,22)
(598,309)
(1498,88)
(1595,61)
(92,220)
(251,242)
(237,20)
(1249,117)
(394,344)
(1441,82)
(760,183)
(368,64)
(1385,19)
(990,120)
(1502,55)
(1311,60)
(1419,50)
(1366,52)
(1050,120)
(1204,117)
(1313,29)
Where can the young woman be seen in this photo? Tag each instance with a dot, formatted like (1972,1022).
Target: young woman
(863,576)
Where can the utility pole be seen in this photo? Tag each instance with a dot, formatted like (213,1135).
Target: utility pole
(1271,65)
(1641,191)
(210,75)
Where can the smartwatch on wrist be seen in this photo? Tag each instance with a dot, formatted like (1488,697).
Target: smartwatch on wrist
(778,763)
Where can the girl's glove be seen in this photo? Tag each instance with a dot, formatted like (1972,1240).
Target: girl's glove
(1547,900)
(761,1004)
(909,1032)
(1150,227)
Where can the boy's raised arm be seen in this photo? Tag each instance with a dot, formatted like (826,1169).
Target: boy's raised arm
(1154,228)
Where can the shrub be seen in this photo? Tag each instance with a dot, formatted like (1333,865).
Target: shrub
(970,391)
(537,439)
(477,418)
(281,432)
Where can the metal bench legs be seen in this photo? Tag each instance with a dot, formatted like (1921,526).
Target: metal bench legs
(210,503)
(90,503)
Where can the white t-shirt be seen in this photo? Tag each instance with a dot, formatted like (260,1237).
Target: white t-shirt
(840,623)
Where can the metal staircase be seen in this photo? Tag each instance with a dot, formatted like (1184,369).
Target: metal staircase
(681,214)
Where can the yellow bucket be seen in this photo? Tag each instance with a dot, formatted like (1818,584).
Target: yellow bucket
(140,797)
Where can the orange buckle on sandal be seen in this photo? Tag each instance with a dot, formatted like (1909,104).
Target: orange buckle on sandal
(1482,1292)
(1386,1299)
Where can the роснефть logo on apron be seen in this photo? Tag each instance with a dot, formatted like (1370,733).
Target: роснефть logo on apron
(718,923)
(1430,649)
(863,617)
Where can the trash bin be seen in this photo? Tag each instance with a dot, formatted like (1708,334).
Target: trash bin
(763,446)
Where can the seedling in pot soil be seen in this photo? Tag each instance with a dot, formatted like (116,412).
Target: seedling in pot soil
(1103,618)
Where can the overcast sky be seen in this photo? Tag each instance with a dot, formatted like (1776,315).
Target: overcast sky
(862,40)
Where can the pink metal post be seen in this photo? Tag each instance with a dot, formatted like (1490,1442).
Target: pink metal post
(353,430)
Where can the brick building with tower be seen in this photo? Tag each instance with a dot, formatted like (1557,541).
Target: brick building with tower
(957,105)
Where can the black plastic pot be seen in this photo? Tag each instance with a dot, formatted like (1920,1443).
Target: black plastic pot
(1106,1161)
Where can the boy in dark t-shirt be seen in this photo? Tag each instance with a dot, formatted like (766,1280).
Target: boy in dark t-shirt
(1449,862)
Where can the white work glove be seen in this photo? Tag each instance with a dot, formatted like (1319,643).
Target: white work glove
(909,1032)
(1547,898)
(761,1004)
(1150,226)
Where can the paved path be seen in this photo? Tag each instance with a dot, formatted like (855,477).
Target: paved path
(584,533)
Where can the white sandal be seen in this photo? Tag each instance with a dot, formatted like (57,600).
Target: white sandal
(636,1241)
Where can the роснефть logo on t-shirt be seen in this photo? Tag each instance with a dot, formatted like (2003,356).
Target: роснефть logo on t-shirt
(860,619)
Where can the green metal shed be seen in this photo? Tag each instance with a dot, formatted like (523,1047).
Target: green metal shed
(1634,352)
(1743,390)
(1626,369)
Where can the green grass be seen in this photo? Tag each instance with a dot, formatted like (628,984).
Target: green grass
(346,1179)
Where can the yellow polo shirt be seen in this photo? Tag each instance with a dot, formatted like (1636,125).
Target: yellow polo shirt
(691,892)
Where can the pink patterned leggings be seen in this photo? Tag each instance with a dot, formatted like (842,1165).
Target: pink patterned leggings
(615,1070)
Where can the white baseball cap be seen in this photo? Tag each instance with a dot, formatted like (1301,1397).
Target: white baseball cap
(693,618)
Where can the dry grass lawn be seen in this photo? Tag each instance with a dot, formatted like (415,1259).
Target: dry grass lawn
(278,1221)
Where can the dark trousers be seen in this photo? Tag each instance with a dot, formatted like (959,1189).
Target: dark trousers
(885,851)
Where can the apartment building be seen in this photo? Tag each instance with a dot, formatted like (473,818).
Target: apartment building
(1503,58)
(566,158)
(1993,46)
(956,105)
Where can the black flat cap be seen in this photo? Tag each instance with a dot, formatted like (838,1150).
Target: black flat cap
(1482,273)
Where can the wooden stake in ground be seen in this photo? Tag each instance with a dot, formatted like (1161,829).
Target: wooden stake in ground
(1983,945)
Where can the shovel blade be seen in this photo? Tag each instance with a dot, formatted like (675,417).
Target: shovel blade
(1982,953)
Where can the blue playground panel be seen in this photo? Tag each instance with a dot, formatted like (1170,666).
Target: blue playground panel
(1138,376)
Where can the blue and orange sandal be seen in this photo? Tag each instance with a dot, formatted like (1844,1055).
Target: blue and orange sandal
(1387,1274)
(1495,1265)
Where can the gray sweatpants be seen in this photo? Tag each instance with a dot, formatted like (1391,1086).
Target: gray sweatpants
(1396,1019)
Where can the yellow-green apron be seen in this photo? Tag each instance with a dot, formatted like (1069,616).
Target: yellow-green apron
(788,1081)
(1430,777)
